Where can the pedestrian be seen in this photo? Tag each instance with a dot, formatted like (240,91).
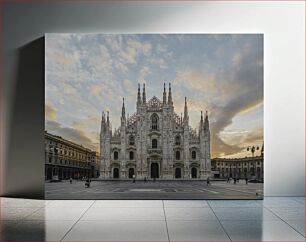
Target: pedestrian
(235,180)
(87,184)
(228,180)
(70,180)
(145,179)
(134,180)
(246,181)
(208,181)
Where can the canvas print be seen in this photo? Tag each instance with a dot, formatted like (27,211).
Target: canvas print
(154,116)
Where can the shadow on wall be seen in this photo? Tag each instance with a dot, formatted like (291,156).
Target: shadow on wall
(28,230)
(25,150)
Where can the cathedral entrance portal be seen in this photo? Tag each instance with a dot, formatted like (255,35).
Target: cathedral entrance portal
(116,173)
(178,173)
(154,170)
(131,172)
(193,172)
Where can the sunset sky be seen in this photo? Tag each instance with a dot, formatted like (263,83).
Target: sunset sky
(223,74)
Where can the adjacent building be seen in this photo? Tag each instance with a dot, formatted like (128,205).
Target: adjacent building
(248,167)
(65,159)
(155,142)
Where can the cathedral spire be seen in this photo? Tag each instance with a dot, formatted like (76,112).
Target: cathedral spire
(206,122)
(102,121)
(170,95)
(123,109)
(164,95)
(138,95)
(144,94)
(201,122)
(107,119)
(103,117)
(185,109)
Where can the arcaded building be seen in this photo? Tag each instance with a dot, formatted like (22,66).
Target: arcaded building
(155,142)
(65,159)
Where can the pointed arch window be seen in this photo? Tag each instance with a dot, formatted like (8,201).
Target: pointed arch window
(131,155)
(177,155)
(132,140)
(154,121)
(193,154)
(154,143)
(178,140)
(116,155)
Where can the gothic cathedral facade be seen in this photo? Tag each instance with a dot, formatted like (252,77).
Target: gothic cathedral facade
(155,142)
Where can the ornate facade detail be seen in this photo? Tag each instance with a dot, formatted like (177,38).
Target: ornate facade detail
(155,142)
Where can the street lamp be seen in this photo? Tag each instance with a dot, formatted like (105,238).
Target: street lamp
(252,149)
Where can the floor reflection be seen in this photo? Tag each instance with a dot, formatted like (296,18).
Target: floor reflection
(273,219)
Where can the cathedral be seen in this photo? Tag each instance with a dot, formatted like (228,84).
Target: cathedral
(155,142)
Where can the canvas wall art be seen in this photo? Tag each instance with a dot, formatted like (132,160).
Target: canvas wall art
(154,116)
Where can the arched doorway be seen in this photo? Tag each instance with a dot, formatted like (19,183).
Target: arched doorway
(131,172)
(154,170)
(178,173)
(193,172)
(116,173)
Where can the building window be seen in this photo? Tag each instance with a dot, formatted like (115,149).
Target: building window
(177,155)
(194,155)
(116,155)
(131,155)
(178,140)
(154,143)
(154,121)
(132,140)
(252,171)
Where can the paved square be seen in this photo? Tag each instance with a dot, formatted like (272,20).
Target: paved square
(153,190)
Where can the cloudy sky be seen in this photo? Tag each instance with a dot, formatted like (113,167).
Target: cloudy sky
(223,74)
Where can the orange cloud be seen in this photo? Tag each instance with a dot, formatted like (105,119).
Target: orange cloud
(50,112)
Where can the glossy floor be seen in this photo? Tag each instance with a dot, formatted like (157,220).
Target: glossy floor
(273,219)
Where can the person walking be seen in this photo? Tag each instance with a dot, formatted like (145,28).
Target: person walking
(134,180)
(207,181)
(87,183)
(235,180)
(70,180)
(246,181)
(145,179)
